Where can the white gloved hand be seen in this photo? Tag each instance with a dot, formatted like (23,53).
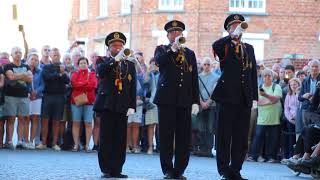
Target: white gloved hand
(119,56)
(254,104)
(130,111)
(195,109)
(174,47)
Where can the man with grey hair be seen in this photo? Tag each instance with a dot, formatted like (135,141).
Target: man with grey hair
(45,59)
(308,86)
(18,76)
(55,80)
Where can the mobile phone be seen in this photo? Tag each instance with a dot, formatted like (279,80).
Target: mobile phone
(20,27)
(261,89)
(80,42)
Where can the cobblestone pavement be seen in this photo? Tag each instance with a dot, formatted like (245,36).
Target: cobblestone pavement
(48,164)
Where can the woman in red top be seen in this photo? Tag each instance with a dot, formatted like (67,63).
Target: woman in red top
(83,82)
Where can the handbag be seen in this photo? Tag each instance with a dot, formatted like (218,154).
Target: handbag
(81,99)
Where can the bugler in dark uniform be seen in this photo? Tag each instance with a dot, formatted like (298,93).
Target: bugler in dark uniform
(235,91)
(177,96)
(117,98)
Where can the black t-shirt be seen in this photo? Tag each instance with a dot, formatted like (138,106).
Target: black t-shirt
(16,88)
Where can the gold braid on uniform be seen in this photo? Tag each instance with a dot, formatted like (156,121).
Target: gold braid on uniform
(242,55)
(181,60)
(119,77)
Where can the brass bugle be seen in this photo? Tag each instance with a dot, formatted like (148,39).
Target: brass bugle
(182,40)
(244,25)
(123,54)
(127,52)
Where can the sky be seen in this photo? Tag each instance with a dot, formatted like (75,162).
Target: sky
(45,22)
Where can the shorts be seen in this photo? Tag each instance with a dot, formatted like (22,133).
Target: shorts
(53,107)
(35,107)
(152,116)
(16,106)
(137,116)
(84,112)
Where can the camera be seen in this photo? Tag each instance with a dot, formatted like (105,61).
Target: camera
(80,42)
(261,89)
(20,27)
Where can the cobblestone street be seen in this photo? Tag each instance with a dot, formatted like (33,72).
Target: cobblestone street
(68,165)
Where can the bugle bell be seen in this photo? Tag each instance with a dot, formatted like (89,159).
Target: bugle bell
(240,29)
(123,54)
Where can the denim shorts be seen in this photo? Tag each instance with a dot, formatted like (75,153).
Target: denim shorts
(16,106)
(84,112)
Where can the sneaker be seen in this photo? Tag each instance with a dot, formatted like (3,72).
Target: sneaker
(136,150)
(95,148)
(9,146)
(251,159)
(56,148)
(150,151)
(261,159)
(20,146)
(293,161)
(41,146)
(128,150)
(31,146)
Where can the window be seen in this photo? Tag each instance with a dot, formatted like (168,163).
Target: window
(103,8)
(254,6)
(256,40)
(171,5)
(128,40)
(83,10)
(100,48)
(125,7)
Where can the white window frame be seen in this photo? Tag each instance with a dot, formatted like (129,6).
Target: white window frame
(254,36)
(245,7)
(83,10)
(127,45)
(103,8)
(125,6)
(171,6)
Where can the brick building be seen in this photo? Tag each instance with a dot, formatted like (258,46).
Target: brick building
(277,28)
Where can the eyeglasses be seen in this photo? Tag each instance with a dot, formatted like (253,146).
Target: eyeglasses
(206,64)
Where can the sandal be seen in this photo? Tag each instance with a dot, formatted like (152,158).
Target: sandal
(75,148)
(87,149)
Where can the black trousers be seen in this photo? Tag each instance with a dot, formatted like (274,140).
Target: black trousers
(232,137)
(174,126)
(113,141)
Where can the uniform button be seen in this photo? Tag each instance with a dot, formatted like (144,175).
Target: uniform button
(161,84)
(242,75)
(181,74)
(180,85)
(242,82)
(181,68)
(181,80)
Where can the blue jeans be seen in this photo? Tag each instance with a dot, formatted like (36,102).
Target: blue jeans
(271,135)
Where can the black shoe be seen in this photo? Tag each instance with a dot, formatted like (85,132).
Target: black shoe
(181,177)
(237,176)
(168,176)
(119,176)
(106,175)
(95,148)
(223,177)
(19,146)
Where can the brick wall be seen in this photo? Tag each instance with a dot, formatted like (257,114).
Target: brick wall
(293,25)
